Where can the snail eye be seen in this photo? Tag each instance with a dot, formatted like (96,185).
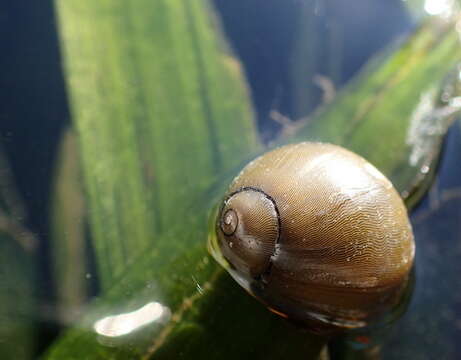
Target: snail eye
(248,230)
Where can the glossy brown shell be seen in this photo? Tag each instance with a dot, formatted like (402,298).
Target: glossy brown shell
(320,235)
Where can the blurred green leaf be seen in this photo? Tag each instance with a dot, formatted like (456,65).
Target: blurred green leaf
(416,8)
(17,304)
(162,115)
(71,268)
(17,280)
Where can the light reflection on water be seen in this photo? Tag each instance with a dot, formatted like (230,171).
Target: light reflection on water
(126,323)
(439,7)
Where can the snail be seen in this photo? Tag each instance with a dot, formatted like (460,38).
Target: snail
(317,234)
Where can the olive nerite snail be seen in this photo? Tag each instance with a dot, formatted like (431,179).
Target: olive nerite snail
(318,235)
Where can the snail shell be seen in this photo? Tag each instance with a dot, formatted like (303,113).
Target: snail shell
(318,234)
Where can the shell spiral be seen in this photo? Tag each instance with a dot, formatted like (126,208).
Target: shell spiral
(318,234)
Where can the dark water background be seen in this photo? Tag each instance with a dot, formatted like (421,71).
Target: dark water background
(263,32)
(431,327)
(34,111)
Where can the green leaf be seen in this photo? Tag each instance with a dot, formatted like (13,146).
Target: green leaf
(161,112)
(71,266)
(160,107)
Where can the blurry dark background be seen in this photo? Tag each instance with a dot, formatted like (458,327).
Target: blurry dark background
(33,112)
(286,42)
(283,45)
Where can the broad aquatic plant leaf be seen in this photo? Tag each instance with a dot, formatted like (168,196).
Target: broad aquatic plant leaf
(199,307)
(192,307)
(159,106)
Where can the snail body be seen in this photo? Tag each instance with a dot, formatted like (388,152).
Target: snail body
(317,234)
